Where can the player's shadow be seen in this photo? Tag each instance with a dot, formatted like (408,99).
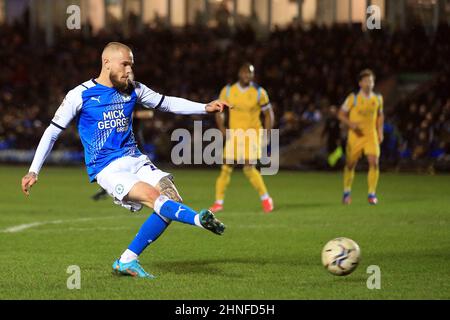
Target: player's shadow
(219,266)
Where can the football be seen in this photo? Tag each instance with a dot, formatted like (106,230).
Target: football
(341,256)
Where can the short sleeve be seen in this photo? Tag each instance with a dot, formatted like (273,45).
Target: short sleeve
(264,98)
(346,106)
(223,94)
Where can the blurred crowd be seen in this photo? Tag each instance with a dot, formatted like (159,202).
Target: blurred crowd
(305,71)
(424,122)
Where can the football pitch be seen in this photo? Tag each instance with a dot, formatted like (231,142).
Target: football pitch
(260,256)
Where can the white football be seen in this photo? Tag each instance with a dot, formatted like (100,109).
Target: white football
(341,256)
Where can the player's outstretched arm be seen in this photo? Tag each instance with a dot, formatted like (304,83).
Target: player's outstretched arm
(151,99)
(184,106)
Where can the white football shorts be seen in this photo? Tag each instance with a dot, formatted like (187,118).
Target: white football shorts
(122,174)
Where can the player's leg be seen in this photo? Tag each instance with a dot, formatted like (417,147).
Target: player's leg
(168,203)
(222,183)
(132,180)
(257,181)
(101,194)
(154,226)
(149,196)
(353,152)
(167,188)
(148,233)
(372,152)
(224,178)
(372,178)
(118,183)
(204,219)
(251,152)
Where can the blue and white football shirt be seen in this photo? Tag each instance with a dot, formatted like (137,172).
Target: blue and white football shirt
(104,119)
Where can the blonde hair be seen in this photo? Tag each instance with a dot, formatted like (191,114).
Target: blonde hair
(116,46)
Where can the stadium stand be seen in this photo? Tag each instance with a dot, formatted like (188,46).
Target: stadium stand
(305,71)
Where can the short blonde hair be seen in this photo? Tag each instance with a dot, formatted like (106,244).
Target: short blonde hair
(116,46)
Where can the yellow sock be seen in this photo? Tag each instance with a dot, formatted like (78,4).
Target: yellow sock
(255,179)
(372,179)
(222,181)
(348,179)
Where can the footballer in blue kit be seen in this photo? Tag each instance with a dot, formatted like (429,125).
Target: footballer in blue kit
(103,109)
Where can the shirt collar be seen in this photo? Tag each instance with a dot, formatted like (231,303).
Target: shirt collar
(243,89)
(364,95)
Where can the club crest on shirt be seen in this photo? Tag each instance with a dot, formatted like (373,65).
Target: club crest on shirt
(119,189)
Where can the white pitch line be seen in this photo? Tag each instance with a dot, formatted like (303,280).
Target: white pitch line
(25,226)
(22,227)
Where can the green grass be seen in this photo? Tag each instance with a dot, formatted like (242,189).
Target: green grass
(275,256)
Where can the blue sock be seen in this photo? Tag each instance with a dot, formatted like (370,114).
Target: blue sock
(178,212)
(152,228)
